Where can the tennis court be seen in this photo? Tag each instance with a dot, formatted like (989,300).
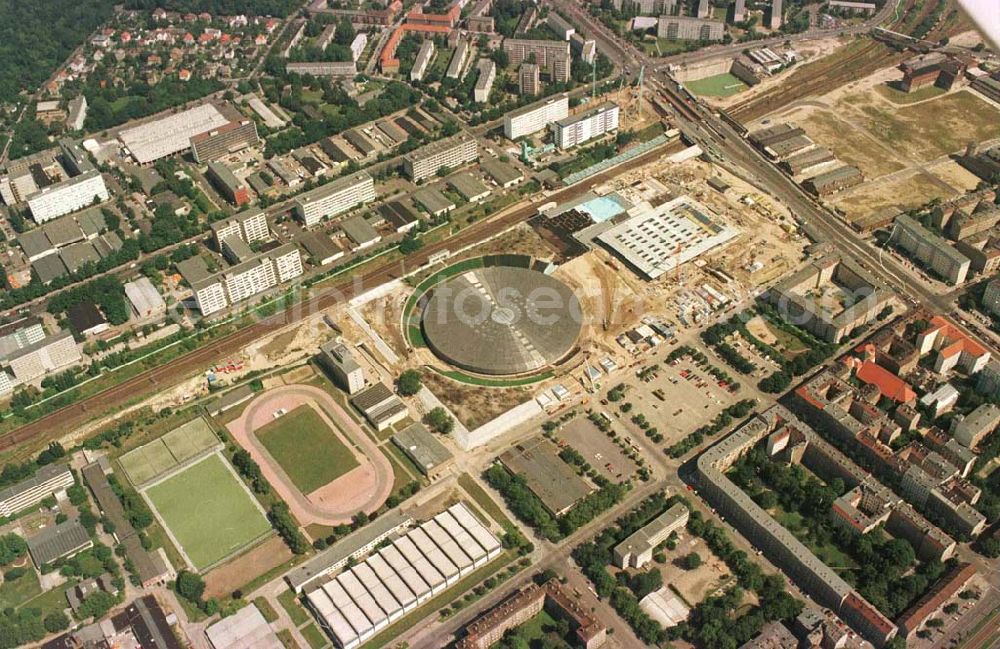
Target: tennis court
(150,461)
(208,511)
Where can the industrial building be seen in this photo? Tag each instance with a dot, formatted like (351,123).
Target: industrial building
(433,201)
(169,135)
(245,629)
(800,297)
(336,69)
(363,600)
(831,182)
(586,125)
(380,406)
(228,138)
(424,450)
(683,28)
(340,363)
(232,189)
(535,117)
(145,300)
(59,541)
(853,8)
(335,198)
(637,550)
(654,241)
(429,159)
(469,187)
(501,173)
(930,249)
(484,83)
(48,480)
(423,59)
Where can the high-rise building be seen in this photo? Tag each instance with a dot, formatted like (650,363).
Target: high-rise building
(551,56)
(229,138)
(535,117)
(930,249)
(250,226)
(427,160)
(67,196)
(335,198)
(775,19)
(232,188)
(340,362)
(47,355)
(586,125)
(684,28)
(527,80)
(214,292)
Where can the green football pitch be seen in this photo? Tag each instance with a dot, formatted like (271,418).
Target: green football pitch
(721,85)
(208,511)
(304,446)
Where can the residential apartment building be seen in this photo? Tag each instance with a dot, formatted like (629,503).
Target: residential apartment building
(342,69)
(974,427)
(991,297)
(47,480)
(213,292)
(67,196)
(20,334)
(637,550)
(335,198)
(684,28)
(229,138)
(535,117)
(250,226)
(458,59)
(47,355)
(931,249)
(451,153)
(560,25)
(528,81)
(423,59)
(77,113)
(586,125)
(551,56)
(340,362)
(484,83)
(953,348)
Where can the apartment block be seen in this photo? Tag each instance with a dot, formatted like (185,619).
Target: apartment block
(535,117)
(528,82)
(586,125)
(484,83)
(427,160)
(230,138)
(47,355)
(974,427)
(67,196)
(337,69)
(551,56)
(47,480)
(424,57)
(953,348)
(216,291)
(228,185)
(458,58)
(250,226)
(335,198)
(991,297)
(683,28)
(931,249)
(637,550)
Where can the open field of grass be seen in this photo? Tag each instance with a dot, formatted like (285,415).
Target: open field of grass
(828,553)
(17,592)
(904,191)
(720,85)
(848,144)
(310,453)
(291,605)
(209,511)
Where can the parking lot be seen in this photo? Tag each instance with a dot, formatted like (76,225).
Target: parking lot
(598,449)
(676,399)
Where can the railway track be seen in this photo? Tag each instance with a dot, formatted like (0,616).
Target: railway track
(56,424)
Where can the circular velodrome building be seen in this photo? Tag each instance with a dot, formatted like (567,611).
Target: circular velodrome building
(501,320)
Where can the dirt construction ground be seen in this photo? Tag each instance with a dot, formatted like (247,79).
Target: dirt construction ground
(232,575)
(364,488)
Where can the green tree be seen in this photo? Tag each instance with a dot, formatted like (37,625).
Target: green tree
(439,420)
(190,586)
(409,383)
(692,561)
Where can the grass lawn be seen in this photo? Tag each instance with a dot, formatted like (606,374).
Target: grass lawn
(287,641)
(897,96)
(51,600)
(720,85)
(209,511)
(310,453)
(314,637)
(266,609)
(483,500)
(17,592)
(494,383)
(291,605)
(828,553)
(533,631)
